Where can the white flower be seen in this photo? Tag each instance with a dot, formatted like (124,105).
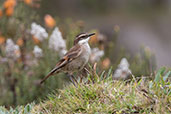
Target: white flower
(123,64)
(12,50)
(38,31)
(101,37)
(96,54)
(123,71)
(57,43)
(37,52)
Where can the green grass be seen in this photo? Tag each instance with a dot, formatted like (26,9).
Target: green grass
(107,96)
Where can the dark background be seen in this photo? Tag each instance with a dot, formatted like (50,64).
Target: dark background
(142,22)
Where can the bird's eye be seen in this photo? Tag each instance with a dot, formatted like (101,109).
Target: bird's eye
(83,37)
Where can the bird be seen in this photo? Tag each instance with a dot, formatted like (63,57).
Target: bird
(75,59)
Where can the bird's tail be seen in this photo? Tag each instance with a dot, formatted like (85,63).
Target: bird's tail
(55,70)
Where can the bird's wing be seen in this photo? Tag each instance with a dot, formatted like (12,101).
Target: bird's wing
(73,53)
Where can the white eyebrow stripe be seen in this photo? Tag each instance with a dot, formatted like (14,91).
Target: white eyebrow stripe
(81,35)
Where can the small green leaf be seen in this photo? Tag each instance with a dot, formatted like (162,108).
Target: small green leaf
(139,82)
(102,75)
(109,72)
(89,65)
(167,75)
(150,84)
(169,93)
(159,73)
(27,109)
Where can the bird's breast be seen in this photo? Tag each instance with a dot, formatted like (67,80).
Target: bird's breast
(81,61)
(86,51)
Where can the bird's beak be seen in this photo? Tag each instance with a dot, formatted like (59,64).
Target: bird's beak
(91,34)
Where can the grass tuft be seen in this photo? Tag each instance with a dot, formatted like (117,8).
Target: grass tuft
(108,96)
(112,97)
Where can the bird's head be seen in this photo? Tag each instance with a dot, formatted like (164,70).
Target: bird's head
(83,38)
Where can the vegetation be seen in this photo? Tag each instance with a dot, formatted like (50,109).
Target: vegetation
(104,95)
(30,47)
(27,53)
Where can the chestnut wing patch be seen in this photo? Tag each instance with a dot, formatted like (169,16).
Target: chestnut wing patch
(72,54)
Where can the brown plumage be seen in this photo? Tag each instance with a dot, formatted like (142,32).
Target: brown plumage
(75,59)
(68,57)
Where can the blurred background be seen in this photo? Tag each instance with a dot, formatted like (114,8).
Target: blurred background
(142,22)
(35,34)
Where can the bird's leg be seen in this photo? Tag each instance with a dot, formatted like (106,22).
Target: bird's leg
(72,79)
(86,72)
(81,78)
(83,74)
